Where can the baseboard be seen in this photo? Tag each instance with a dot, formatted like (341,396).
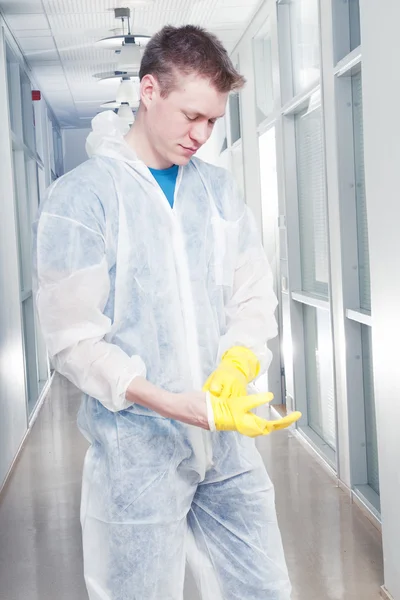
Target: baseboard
(367,509)
(344,487)
(42,398)
(314,452)
(385,594)
(39,405)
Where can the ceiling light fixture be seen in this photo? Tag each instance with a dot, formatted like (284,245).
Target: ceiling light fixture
(127,92)
(115,77)
(113,104)
(126,39)
(129,56)
(126,113)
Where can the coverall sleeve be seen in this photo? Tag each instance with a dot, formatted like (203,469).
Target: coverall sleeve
(71,290)
(250,310)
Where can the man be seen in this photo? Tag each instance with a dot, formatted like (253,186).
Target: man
(151,280)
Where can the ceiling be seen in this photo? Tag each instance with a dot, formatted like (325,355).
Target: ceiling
(57,38)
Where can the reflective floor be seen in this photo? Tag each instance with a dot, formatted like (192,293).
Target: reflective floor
(333,551)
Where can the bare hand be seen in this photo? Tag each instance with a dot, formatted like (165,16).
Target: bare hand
(189,407)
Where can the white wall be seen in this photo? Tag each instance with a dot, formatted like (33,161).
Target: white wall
(74,147)
(381,88)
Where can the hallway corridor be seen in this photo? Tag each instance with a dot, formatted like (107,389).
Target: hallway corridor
(333,551)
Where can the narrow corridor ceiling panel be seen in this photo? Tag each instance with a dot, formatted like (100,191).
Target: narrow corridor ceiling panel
(58,39)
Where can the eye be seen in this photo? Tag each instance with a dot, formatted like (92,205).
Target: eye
(189,118)
(212,121)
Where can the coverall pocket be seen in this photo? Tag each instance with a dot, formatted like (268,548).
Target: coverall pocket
(147,447)
(145,438)
(226,248)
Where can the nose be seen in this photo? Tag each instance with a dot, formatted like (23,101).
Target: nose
(200,132)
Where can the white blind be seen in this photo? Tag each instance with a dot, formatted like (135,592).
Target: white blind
(362,223)
(319,373)
(312,203)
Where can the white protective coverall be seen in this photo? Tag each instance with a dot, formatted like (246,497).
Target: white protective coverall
(125,286)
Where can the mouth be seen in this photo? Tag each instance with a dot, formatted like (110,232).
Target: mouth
(189,149)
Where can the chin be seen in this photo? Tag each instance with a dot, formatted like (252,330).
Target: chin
(181,161)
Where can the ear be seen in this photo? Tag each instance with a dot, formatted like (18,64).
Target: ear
(149,89)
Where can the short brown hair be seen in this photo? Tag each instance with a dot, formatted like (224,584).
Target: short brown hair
(189,49)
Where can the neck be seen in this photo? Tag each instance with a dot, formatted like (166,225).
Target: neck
(138,139)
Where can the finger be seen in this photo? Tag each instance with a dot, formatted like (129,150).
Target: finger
(213,386)
(254,426)
(216,388)
(263,425)
(286,421)
(206,386)
(255,400)
(225,393)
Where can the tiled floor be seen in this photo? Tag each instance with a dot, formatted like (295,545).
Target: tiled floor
(333,551)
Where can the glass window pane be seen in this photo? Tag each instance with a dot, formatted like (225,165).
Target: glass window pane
(12,77)
(263,73)
(31,170)
(9,87)
(269,188)
(346,22)
(362,221)
(24,221)
(234,112)
(312,202)
(319,373)
(370,411)
(41,183)
(238,167)
(51,149)
(304,19)
(355,35)
(30,353)
(58,153)
(27,111)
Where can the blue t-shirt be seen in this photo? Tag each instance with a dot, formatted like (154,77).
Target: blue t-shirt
(166,179)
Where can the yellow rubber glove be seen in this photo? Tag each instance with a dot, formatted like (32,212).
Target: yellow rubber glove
(238,367)
(234,414)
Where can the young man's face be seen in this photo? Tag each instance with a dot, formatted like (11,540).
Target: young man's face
(178,125)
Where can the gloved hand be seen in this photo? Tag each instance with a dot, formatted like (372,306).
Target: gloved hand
(238,367)
(234,414)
